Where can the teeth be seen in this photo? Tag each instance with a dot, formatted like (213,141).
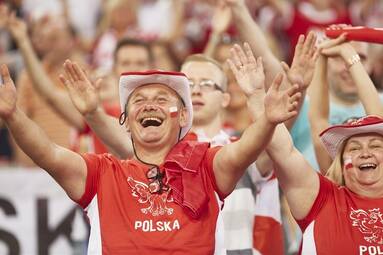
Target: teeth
(367,165)
(151,118)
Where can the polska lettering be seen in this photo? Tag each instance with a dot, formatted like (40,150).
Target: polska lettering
(370,250)
(153,226)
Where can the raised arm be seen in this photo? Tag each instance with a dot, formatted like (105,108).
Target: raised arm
(318,114)
(250,32)
(65,166)
(367,92)
(249,73)
(42,83)
(319,106)
(233,159)
(302,67)
(219,23)
(85,97)
(297,179)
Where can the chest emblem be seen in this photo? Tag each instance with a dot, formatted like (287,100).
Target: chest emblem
(156,203)
(369,223)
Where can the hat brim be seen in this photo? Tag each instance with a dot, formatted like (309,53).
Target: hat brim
(174,80)
(334,136)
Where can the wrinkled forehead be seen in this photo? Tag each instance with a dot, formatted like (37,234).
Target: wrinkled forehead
(359,138)
(152,90)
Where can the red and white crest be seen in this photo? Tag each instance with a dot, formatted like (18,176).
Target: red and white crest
(157,202)
(369,223)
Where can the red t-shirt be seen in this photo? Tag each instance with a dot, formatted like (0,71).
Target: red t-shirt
(341,222)
(126,219)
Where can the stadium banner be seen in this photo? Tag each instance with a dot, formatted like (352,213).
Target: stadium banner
(37,217)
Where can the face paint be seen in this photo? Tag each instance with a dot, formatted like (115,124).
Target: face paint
(173,111)
(348,163)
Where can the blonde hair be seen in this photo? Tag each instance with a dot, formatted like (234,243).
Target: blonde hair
(335,171)
(204,58)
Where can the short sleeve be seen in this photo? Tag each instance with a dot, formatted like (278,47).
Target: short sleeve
(325,188)
(95,166)
(209,159)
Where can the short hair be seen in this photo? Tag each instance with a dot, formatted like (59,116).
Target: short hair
(134,42)
(204,58)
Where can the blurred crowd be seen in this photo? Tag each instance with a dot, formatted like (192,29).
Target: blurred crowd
(109,37)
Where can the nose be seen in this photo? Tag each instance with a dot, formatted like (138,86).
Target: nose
(365,153)
(196,90)
(150,107)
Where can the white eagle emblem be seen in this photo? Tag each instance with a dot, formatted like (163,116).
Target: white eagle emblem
(157,202)
(369,223)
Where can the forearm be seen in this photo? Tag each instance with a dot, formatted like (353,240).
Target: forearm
(31,139)
(65,166)
(58,99)
(250,32)
(110,132)
(367,92)
(319,92)
(212,44)
(254,140)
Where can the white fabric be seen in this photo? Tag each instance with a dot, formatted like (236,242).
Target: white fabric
(94,245)
(308,246)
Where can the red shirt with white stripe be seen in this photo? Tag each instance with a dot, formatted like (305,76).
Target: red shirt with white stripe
(126,218)
(342,222)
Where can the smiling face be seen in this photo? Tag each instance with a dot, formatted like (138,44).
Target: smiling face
(150,120)
(365,153)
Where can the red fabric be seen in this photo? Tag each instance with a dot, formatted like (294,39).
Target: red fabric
(268,235)
(182,166)
(131,220)
(302,24)
(342,222)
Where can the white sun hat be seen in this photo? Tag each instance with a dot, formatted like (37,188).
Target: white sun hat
(177,81)
(334,136)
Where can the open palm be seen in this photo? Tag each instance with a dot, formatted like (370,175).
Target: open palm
(281,105)
(7,94)
(82,92)
(302,68)
(247,70)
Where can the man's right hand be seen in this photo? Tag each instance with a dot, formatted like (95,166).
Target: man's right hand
(8,94)
(83,93)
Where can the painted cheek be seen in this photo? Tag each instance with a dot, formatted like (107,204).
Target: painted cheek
(173,111)
(348,163)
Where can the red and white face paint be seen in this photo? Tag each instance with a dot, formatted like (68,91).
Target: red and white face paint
(348,162)
(173,111)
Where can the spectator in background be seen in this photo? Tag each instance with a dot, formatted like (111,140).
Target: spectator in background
(320,96)
(343,97)
(294,19)
(130,55)
(55,42)
(148,105)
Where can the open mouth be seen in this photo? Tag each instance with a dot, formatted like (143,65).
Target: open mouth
(151,122)
(367,166)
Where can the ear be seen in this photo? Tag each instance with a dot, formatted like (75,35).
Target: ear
(225,100)
(183,117)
